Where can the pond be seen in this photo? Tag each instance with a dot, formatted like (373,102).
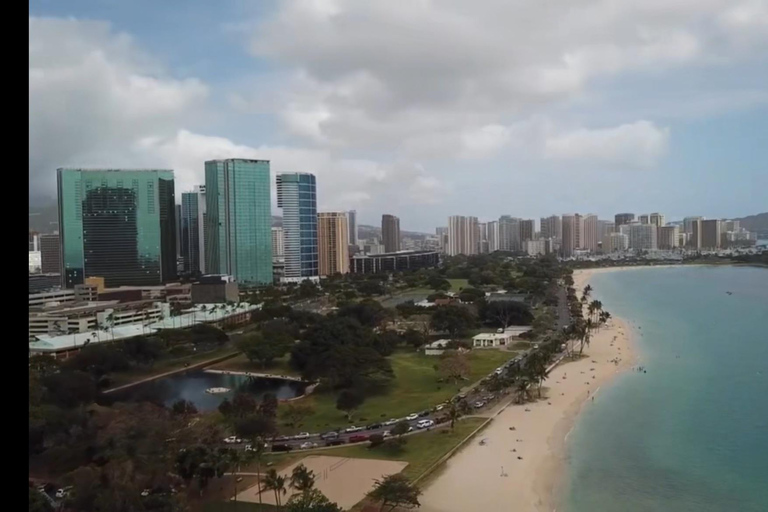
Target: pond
(191,386)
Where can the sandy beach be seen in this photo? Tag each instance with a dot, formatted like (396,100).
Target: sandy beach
(520,465)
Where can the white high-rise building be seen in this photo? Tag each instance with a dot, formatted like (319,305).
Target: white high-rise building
(278,243)
(657,219)
(668,237)
(643,237)
(463,235)
(552,227)
(615,242)
(591,234)
(492,230)
(573,233)
(509,234)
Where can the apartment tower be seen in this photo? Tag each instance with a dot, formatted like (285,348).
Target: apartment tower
(390,232)
(333,243)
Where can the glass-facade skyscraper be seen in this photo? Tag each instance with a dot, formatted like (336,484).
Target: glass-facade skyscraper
(238,220)
(117,224)
(192,234)
(297,196)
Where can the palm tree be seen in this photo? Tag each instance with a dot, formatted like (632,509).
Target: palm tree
(257,450)
(523,390)
(275,483)
(585,334)
(587,291)
(111,323)
(235,458)
(302,479)
(453,414)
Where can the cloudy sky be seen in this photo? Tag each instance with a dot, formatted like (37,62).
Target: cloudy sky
(418,108)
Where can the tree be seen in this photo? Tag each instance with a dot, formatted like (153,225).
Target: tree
(536,368)
(255,425)
(503,313)
(471,295)
(414,338)
(302,479)
(453,366)
(263,350)
(349,400)
(311,501)
(395,491)
(38,502)
(183,407)
(69,388)
(385,342)
(453,414)
(268,405)
(44,365)
(523,390)
(243,404)
(368,312)
(438,283)
(454,320)
(295,413)
(275,483)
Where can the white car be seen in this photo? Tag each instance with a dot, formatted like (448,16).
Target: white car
(411,417)
(61,493)
(302,435)
(145,493)
(232,440)
(249,448)
(440,407)
(353,429)
(386,433)
(306,445)
(389,422)
(425,424)
(479,404)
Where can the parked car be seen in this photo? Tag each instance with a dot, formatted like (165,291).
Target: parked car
(412,417)
(232,440)
(358,438)
(386,434)
(423,414)
(352,429)
(306,445)
(329,435)
(62,493)
(425,424)
(334,442)
(440,407)
(145,493)
(479,404)
(281,448)
(302,435)
(373,426)
(249,448)
(389,422)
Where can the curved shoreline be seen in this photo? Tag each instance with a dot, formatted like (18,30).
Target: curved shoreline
(471,479)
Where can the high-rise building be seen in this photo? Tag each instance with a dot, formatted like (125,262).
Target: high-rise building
(117,224)
(710,234)
(390,233)
(463,235)
(238,220)
(352,221)
(730,225)
(644,219)
(278,242)
(482,244)
(193,231)
(34,241)
(623,218)
(643,237)
(50,254)
(297,196)
(492,230)
(668,237)
(333,243)
(591,235)
(552,227)
(694,240)
(615,242)
(178,232)
(527,229)
(657,219)
(509,234)
(605,227)
(688,224)
(442,237)
(573,232)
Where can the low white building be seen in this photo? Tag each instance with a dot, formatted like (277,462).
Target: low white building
(492,339)
(517,330)
(436,348)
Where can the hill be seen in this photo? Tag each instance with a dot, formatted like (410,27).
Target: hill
(757,223)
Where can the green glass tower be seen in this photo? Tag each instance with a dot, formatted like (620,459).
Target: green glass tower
(238,220)
(117,224)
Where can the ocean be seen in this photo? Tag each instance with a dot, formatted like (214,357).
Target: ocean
(691,434)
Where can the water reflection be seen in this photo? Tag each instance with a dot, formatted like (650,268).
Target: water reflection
(191,386)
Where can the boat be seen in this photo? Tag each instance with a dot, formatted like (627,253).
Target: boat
(217,391)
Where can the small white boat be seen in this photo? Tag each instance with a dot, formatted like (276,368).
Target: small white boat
(217,391)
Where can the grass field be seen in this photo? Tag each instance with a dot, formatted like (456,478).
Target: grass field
(414,388)
(241,363)
(457,284)
(414,294)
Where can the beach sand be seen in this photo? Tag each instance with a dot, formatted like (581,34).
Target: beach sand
(492,477)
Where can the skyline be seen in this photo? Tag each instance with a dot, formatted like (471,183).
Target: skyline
(635,108)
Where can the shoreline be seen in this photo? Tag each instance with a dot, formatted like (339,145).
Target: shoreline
(525,468)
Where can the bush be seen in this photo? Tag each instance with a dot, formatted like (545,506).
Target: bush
(376,440)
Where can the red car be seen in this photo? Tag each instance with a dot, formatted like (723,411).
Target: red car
(358,439)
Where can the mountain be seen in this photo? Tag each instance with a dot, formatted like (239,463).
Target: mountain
(365,231)
(757,223)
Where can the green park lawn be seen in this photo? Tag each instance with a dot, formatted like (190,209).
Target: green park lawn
(458,284)
(240,363)
(414,389)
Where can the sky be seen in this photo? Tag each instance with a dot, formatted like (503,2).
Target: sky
(417,108)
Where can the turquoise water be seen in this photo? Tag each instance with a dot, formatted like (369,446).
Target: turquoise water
(691,434)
